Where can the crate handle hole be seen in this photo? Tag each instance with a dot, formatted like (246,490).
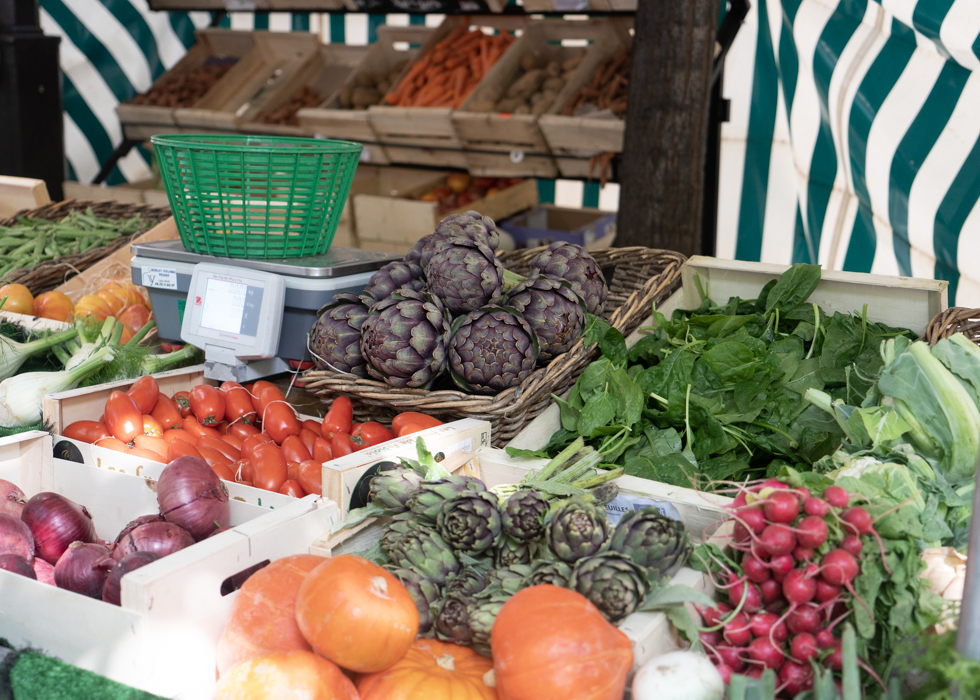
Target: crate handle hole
(235,581)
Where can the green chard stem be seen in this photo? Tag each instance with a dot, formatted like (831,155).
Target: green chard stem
(559,460)
(600,478)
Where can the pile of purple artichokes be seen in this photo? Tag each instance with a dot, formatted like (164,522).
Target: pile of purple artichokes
(450,308)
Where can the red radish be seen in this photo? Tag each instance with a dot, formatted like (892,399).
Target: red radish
(764,623)
(804,618)
(753,599)
(725,672)
(835,660)
(857,521)
(711,639)
(852,545)
(771,484)
(733,657)
(781,507)
(798,588)
(755,570)
(765,652)
(737,632)
(838,567)
(811,532)
(771,591)
(816,506)
(751,519)
(836,496)
(825,639)
(712,616)
(778,539)
(782,564)
(777,607)
(802,554)
(755,671)
(795,678)
(803,647)
(826,592)
(739,500)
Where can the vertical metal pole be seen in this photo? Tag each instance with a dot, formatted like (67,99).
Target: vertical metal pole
(968,628)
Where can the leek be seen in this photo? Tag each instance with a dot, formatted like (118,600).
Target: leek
(14,354)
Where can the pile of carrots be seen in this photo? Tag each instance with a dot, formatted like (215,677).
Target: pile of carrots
(447,74)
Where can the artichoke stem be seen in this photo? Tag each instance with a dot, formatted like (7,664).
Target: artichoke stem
(512,279)
(600,478)
(559,460)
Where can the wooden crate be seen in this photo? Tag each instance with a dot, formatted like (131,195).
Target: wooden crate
(518,142)
(328,69)
(649,633)
(163,637)
(143,192)
(330,121)
(20,193)
(569,5)
(428,157)
(274,60)
(211,43)
(394,223)
(430,127)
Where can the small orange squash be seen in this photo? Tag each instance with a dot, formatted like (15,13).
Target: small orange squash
(263,616)
(356,614)
(296,674)
(550,642)
(431,669)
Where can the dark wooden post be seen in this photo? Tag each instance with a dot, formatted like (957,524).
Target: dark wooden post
(662,172)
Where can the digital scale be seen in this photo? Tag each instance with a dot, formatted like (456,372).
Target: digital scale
(250,317)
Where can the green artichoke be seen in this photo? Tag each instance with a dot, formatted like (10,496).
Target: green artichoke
(577,529)
(611,582)
(335,338)
(424,593)
(573,263)
(506,581)
(523,515)
(392,489)
(393,276)
(466,275)
(491,350)
(653,541)
(452,622)
(510,551)
(482,616)
(426,502)
(469,582)
(470,225)
(553,310)
(404,338)
(555,573)
(470,522)
(409,545)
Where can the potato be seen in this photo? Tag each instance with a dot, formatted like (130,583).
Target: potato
(365,96)
(536,97)
(527,85)
(567,74)
(482,104)
(555,84)
(572,62)
(492,93)
(345,92)
(553,69)
(368,79)
(509,104)
(384,86)
(522,109)
(550,94)
(543,106)
(532,60)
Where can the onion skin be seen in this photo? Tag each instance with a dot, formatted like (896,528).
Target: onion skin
(16,537)
(132,525)
(56,522)
(12,499)
(162,538)
(112,591)
(192,496)
(17,565)
(44,571)
(83,568)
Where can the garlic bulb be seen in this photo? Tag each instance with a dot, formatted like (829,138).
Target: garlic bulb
(946,573)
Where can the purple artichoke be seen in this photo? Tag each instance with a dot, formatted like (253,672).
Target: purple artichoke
(573,263)
(553,310)
(471,225)
(466,275)
(491,350)
(415,254)
(394,275)
(336,336)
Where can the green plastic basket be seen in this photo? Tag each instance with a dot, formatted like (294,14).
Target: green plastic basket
(256,196)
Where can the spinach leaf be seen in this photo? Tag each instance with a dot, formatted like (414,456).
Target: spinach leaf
(793,288)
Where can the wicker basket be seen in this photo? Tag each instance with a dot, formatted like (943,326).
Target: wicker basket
(954,320)
(52,273)
(640,277)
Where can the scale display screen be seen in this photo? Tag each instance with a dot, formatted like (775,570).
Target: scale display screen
(224,305)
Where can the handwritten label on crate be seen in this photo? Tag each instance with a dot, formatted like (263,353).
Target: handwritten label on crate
(160,277)
(626,503)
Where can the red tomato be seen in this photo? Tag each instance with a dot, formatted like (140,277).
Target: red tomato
(223,471)
(268,467)
(279,421)
(342,445)
(191,425)
(370,434)
(233,441)
(123,417)
(166,412)
(145,392)
(420,419)
(338,418)
(250,443)
(409,428)
(292,470)
(180,448)
(154,444)
(291,487)
(312,425)
(212,456)
(294,450)
(146,454)
(181,436)
(255,390)
(310,474)
(354,426)
(151,426)
(86,431)
(111,443)
(183,401)
(242,470)
(270,396)
(208,404)
(238,403)
(222,427)
(233,454)
(322,452)
(242,430)
(308,437)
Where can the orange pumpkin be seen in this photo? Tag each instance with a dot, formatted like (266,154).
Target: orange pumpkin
(19,299)
(550,642)
(430,670)
(356,614)
(296,674)
(263,616)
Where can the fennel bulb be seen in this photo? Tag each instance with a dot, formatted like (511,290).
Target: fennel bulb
(21,396)
(14,354)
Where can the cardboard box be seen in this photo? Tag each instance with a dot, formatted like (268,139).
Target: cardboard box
(546,224)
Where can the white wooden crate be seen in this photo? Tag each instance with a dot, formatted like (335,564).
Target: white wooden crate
(163,637)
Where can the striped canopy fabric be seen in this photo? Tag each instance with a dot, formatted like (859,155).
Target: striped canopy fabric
(855,139)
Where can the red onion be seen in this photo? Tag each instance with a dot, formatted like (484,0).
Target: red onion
(44,571)
(56,522)
(17,565)
(83,568)
(162,538)
(130,526)
(16,537)
(12,499)
(112,592)
(191,495)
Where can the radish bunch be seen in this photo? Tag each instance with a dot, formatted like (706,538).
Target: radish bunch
(791,582)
